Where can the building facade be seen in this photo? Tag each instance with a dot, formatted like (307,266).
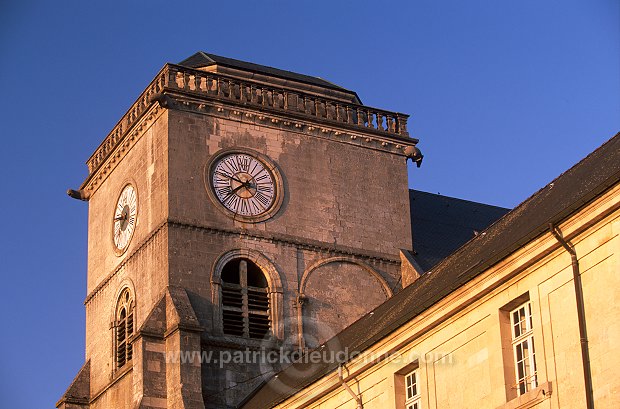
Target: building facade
(239,212)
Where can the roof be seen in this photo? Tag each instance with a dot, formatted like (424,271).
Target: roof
(442,224)
(202,59)
(570,191)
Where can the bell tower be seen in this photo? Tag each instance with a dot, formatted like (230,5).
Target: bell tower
(235,207)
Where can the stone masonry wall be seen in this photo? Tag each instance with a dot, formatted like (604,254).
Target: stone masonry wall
(143,267)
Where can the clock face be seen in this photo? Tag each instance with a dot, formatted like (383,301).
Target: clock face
(125,215)
(243,184)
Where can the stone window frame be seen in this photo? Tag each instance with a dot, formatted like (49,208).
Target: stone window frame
(274,290)
(408,395)
(124,328)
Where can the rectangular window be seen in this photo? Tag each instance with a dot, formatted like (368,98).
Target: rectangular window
(522,334)
(407,387)
(412,391)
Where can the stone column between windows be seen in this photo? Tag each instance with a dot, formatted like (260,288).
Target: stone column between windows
(243,281)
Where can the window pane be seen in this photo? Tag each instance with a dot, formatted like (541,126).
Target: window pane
(521,388)
(519,353)
(412,397)
(230,272)
(256,278)
(520,370)
(515,324)
(410,382)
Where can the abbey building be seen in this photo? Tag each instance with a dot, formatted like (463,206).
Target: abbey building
(245,220)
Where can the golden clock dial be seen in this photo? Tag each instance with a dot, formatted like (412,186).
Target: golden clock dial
(125,217)
(243,184)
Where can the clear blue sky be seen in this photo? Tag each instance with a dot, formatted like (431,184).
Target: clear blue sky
(503,95)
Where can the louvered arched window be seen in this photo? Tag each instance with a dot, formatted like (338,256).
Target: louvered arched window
(245,300)
(123,326)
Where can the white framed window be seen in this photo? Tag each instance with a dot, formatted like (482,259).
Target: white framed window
(524,356)
(413,400)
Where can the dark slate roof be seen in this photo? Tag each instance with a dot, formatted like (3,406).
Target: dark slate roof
(202,59)
(442,224)
(583,182)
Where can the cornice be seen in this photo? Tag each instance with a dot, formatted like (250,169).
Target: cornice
(177,87)
(290,122)
(241,233)
(297,242)
(126,260)
(120,148)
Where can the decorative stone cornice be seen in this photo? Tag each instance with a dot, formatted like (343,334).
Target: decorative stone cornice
(114,152)
(300,243)
(292,122)
(311,245)
(139,249)
(178,87)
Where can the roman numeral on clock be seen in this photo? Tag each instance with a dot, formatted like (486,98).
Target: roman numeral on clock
(243,184)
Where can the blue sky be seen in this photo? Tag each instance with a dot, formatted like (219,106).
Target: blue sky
(503,95)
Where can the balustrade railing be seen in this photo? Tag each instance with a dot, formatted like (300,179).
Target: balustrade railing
(250,93)
(253,94)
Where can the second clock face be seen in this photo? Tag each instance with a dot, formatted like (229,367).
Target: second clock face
(243,184)
(125,216)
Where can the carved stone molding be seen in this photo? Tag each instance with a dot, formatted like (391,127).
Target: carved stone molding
(290,123)
(118,151)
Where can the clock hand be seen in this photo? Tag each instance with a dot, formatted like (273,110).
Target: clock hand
(230,177)
(234,190)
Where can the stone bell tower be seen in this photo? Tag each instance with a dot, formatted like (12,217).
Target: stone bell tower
(234,207)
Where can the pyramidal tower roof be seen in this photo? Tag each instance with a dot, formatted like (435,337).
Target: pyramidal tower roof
(274,76)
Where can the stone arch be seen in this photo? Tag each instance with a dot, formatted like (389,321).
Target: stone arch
(274,288)
(126,283)
(306,275)
(333,293)
(127,325)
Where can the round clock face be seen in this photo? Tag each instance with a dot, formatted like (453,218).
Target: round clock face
(125,218)
(243,184)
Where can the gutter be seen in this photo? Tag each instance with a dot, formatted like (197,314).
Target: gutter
(581,315)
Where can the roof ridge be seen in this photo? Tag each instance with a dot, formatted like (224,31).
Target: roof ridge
(204,54)
(263,65)
(210,58)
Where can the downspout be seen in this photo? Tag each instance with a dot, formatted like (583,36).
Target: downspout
(357,398)
(581,316)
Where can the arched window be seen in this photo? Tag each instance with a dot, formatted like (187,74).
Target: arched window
(123,326)
(245,300)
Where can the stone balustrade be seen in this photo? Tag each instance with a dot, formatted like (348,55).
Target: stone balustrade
(178,79)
